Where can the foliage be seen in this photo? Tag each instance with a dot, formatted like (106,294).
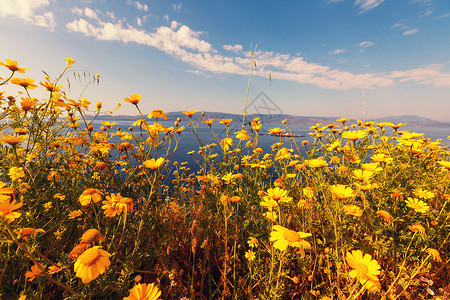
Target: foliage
(362,213)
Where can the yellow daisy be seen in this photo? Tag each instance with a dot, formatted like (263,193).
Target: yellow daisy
(364,267)
(91,264)
(417,205)
(284,237)
(143,291)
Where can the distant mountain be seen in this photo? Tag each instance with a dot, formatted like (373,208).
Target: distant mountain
(278,118)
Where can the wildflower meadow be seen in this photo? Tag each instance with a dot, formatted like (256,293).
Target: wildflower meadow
(92,211)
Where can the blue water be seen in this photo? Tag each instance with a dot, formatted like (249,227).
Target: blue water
(189,141)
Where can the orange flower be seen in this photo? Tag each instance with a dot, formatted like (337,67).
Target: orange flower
(91,264)
(27,103)
(13,140)
(26,83)
(143,291)
(115,204)
(416,227)
(209,122)
(75,214)
(88,195)
(50,86)
(242,135)
(153,164)
(91,236)
(35,271)
(12,65)
(225,121)
(133,99)
(384,215)
(189,113)
(7,210)
(157,113)
(26,232)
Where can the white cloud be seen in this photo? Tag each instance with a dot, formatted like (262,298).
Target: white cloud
(234,48)
(165,38)
(28,12)
(366,44)
(91,14)
(410,31)
(139,21)
(430,74)
(138,5)
(337,51)
(407,30)
(110,15)
(365,5)
(184,44)
(177,7)
(166,17)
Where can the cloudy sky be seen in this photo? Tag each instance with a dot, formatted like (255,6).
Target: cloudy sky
(343,58)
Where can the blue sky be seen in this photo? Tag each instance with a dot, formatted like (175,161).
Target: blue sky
(344,58)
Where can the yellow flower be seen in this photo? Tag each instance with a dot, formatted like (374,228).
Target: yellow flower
(340,191)
(189,113)
(69,62)
(143,291)
(242,135)
(88,195)
(252,242)
(354,135)
(133,99)
(384,215)
(284,237)
(373,167)
(6,210)
(445,164)
(226,143)
(153,164)
(277,194)
(276,131)
(417,205)
(316,163)
(365,269)
(352,210)
(157,113)
(16,173)
(26,83)
(12,65)
(434,253)
(91,264)
(269,203)
(382,158)
(35,271)
(363,175)
(250,255)
(209,122)
(424,194)
(308,192)
(27,103)
(108,124)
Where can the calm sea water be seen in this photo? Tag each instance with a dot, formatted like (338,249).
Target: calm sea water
(189,141)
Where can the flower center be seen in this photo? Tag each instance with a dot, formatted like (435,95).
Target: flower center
(291,236)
